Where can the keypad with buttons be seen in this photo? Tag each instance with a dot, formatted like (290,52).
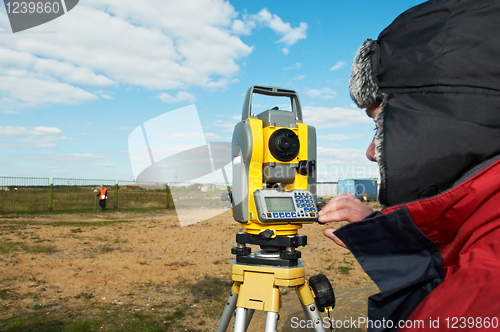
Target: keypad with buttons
(300,207)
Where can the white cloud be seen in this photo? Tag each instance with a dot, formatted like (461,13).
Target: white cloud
(214,137)
(338,137)
(77,157)
(343,156)
(159,45)
(60,159)
(338,65)
(289,35)
(227,125)
(38,137)
(105,164)
(24,88)
(184,136)
(51,67)
(243,27)
(297,65)
(24,132)
(324,93)
(323,117)
(297,78)
(181,96)
(336,164)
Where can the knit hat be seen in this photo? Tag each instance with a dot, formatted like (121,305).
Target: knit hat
(363,88)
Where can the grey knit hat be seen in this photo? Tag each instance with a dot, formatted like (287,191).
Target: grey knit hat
(363,88)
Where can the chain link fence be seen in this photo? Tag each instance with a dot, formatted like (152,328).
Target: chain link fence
(23,194)
(133,195)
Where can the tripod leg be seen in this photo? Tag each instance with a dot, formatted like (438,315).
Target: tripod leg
(249,318)
(312,313)
(309,306)
(240,321)
(271,321)
(229,309)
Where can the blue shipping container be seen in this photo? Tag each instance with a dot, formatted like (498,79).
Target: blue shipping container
(358,188)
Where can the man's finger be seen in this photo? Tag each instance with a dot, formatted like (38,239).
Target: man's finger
(345,214)
(330,233)
(343,203)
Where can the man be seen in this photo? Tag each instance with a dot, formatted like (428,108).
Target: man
(431,82)
(103,196)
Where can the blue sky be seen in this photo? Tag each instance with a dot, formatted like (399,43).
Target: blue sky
(73,89)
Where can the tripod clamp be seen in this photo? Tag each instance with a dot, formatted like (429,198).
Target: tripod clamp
(277,251)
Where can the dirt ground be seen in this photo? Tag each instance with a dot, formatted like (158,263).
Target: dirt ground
(70,264)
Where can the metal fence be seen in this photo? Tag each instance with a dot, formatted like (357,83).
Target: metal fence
(143,195)
(22,194)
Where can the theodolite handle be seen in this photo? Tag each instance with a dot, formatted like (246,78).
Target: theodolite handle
(273,92)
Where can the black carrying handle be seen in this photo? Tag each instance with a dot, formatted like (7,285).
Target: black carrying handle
(273,92)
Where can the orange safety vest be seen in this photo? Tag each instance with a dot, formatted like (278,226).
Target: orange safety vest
(103,193)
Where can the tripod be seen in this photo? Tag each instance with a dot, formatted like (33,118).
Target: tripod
(258,276)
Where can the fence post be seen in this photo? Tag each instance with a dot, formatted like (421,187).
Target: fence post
(116,195)
(51,196)
(211,194)
(168,196)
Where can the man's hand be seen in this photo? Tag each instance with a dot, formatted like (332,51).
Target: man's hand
(344,207)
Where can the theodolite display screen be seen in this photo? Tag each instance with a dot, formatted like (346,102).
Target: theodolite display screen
(275,206)
(279,204)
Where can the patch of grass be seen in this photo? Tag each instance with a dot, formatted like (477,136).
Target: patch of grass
(178,313)
(100,238)
(4,294)
(81,326)
(37,249)
(8,247)
(180,264)
(107,248)
(212,293)
(42,240)
(345,270)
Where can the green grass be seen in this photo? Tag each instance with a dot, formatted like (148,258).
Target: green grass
(101,318)
(75,198)
(210,293)
(4,293)
(38,249)
(9,247)
(116,322)
(345,270)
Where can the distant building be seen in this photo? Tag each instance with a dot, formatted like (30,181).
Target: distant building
(360,188)
(327,189)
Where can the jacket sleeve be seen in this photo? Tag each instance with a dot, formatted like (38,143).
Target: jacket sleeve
(404,263)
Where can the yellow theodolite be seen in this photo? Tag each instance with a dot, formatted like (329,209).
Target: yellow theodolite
(273,194)
(274,168)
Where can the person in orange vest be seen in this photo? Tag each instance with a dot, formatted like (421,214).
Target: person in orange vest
(103,196)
